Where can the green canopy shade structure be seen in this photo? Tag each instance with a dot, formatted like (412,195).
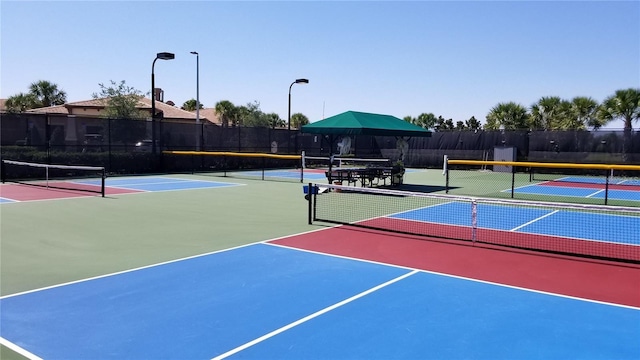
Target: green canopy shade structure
(360,123)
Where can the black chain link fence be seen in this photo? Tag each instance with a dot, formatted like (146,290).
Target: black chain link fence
(126,146)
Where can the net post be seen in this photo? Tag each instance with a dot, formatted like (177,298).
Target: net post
(474,220)
(310,199)
(302,166)
(102,185)
(445,172)
(513,180)
(606,186)
(3,172)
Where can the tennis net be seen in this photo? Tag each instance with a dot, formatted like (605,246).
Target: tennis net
(592,231)
(311,162)
(608,184)
(89,179)
(263,166)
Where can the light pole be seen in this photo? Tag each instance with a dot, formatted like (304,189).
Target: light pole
(197,99)
(298,81)
(162,56)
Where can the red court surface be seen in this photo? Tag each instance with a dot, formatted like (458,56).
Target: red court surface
(583,278)
(591,185)
(19,192)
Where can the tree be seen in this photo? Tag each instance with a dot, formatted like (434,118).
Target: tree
(625,105)
(409,119)
(549,113)
(121,103)
(298,120)
(20,102)
(426,120)
(47,94)
(584,110)
(509,116)
(473,123)
(251,115)
(191,105)
(275,121)
(41,94)
(226,111)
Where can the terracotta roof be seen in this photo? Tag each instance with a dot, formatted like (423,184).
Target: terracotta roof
(210,115)
(97,103)
(57,109)
(2,104)
(170,112)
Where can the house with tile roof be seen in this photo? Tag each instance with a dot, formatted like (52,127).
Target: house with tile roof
(95,108)
(81,119)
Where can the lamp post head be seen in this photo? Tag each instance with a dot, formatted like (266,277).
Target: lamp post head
(194,52)
(165,56)
(302,81)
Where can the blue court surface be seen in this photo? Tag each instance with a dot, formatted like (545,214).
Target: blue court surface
(577,192)
(567,224)
(157,183)
(264,301)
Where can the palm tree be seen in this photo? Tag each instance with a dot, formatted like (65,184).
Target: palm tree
(549,113)
(47,93)
(191,105)
(298,120)
(426,120)
(625,105)
(226,111)
(21,102)
(509,116)
(584,110)
(275,121)
(409,119)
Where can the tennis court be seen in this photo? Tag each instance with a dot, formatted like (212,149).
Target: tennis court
(583,190)
(200,267)
(113,186)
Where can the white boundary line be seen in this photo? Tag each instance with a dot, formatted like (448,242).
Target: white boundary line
(18,349)
(314,315)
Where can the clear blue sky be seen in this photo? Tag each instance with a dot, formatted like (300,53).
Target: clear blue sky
(456,59)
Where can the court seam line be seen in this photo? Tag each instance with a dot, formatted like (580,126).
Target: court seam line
(463,278)
(314,315)
(534,220)
(153,265)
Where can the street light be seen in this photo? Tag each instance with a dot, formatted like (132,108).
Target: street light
(161,56)
(298,81)
(197,99)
